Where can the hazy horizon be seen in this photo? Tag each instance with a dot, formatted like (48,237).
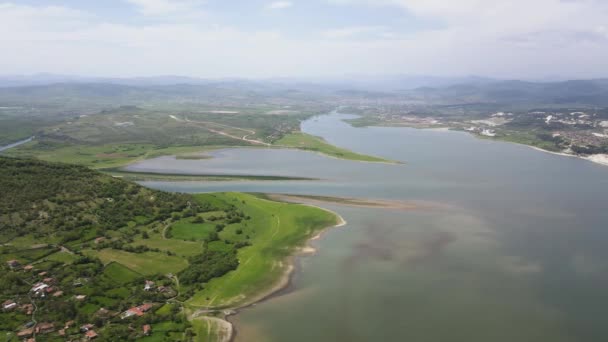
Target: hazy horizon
(263,39)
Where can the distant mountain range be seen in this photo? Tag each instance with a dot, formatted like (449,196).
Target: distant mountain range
(376,83)
(434,90)
(575,92)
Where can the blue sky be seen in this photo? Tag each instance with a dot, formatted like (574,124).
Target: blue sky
(305,38)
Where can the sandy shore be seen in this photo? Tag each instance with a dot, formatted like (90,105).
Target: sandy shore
(350,202)
(225,330)
(601,159)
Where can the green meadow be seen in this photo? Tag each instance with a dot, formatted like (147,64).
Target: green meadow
(309,142)
(147,263)
(274,231)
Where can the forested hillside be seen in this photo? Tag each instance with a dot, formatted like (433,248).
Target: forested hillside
(69,202)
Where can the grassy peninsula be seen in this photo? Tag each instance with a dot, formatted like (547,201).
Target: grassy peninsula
(85,253)
(309,142)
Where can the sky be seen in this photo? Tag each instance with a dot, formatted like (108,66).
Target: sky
(525,39)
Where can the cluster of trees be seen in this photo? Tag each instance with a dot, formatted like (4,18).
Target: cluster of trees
(71,205)
(590,149)
(208,265)
(42,198)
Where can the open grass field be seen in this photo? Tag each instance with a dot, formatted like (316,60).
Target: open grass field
(276,229)
(120,274)
(179,247)
(62,257)
(311,143)
(184,230)
(148,263)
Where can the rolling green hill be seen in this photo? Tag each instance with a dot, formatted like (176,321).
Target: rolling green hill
(79,245)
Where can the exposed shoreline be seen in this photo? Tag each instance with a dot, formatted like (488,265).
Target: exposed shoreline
(351,202)
(601,159)
(285,280)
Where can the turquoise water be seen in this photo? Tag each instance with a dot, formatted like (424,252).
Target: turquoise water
(509,243)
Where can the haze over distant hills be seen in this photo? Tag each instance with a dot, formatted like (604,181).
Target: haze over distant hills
(469,89)
(383,83)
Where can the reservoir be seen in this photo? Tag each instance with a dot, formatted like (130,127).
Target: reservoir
(506,243)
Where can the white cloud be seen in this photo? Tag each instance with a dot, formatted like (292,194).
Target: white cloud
(514,39)
(278,5)
(164,7)
(354,31)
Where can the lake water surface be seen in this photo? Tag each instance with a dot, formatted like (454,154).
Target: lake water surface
(509,244)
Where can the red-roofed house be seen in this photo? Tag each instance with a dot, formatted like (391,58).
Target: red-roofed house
(147,329)
(90,335)
(145,307)
(136,311)
(45,328)
(25,333)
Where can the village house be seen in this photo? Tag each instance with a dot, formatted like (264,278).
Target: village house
(136,311)
(99,240)
(90,335)
(69,324)
(9,305)
(58,294)
(147,329)
(85,328)
(80,298)
(13,264)
(39,289)
(25,333)
(149,285)
(27,308)
(28,268)
(45,328)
